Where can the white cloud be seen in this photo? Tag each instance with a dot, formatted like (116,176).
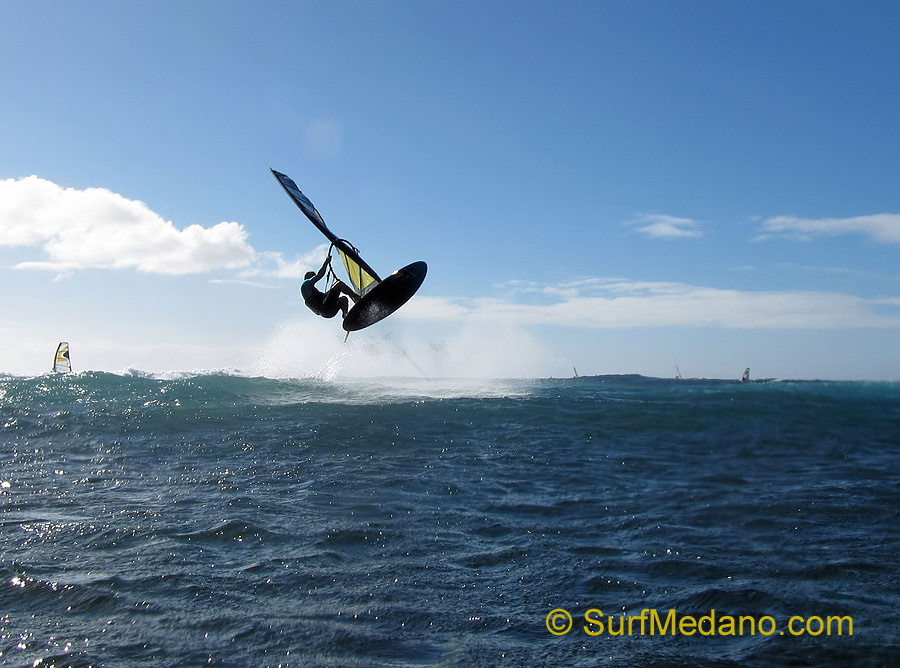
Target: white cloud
(235,281)
(274,264)
(883,227)
(661,226)
(615,303)
(97,228)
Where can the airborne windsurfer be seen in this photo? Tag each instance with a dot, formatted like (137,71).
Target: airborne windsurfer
(374,299)
(326,304)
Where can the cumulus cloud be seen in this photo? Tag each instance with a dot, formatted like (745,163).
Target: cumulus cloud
(276,265)
(613,303)
(661,226)
(97,228)
(882,227)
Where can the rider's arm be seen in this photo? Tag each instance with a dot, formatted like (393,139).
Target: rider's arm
(322,269)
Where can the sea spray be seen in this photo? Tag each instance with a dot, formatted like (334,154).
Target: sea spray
(306,347)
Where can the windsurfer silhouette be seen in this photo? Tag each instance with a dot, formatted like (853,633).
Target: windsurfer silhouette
(329,303)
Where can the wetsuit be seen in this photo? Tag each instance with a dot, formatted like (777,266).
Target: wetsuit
(323,304)
(326,304)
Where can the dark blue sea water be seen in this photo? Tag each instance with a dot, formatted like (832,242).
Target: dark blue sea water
(221,520)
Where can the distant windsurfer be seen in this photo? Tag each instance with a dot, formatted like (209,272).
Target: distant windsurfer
(746,377)
(326,304)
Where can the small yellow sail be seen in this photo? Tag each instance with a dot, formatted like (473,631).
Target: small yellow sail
(62,363)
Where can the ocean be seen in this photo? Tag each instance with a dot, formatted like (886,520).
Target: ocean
(223,520)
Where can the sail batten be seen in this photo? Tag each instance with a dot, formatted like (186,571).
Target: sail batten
(361,275)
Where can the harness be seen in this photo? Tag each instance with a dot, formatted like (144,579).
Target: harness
(331,278)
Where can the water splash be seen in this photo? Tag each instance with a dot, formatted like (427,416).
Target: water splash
(314,348)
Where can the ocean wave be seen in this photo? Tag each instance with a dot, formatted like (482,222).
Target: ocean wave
(230,519)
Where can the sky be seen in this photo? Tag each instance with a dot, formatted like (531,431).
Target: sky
(612,186)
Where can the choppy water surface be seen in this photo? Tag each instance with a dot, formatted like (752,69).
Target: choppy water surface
(231,521)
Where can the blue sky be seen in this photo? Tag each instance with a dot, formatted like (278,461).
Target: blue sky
(617,186)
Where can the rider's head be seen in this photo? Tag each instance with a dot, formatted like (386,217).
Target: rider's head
(309,275)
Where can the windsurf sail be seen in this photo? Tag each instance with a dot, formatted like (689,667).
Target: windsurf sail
(746,375)
(361,275)
(62,363)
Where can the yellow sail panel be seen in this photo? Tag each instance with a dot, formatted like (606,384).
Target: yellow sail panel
(362,280)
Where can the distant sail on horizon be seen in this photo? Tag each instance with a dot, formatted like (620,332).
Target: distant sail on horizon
(61,362)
